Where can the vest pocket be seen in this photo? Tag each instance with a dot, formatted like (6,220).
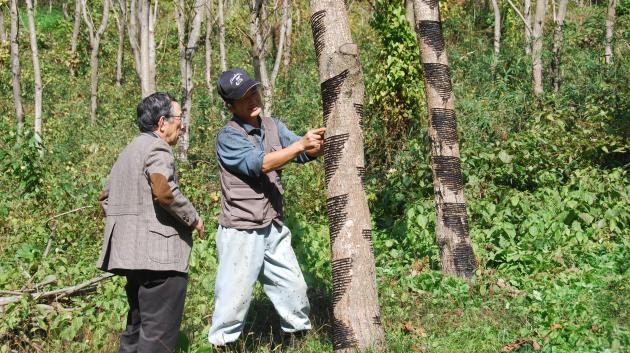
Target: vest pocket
(164,244)
(247,204)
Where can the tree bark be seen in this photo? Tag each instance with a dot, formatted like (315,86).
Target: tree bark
(121,22)
(222,59)
(64,9)
(259,55)
(75,36)
(15,68)
(3,32)
(528,19)
(557,44)
(188,38)
(141,31)
(208,44)
(537,44)
(452,235)
(281,43)
(497,35)
(287,50)
(610,30)
(95,41)
(356,313)
(36,76)
(409,15)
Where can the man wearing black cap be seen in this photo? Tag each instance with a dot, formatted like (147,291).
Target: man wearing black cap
(252,241)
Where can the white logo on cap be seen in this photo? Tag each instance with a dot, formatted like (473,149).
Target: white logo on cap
(236,79)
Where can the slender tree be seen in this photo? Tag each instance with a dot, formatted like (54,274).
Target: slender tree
(208,45)
(527,6)
(141,32)
(222,58)
(451,230)
(95,42)
(37,77)
(497,35)
(75,36)
(287,51)
(189,21)
(610,30)
(15,67)
(356,312)
(558,17)
(537,45)
(120,12)
(3,32)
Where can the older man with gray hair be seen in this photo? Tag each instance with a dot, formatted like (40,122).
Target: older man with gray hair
(148,230)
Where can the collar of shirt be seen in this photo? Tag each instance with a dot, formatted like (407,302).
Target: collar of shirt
(248,127)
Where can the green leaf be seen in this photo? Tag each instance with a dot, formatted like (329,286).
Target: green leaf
(505,157)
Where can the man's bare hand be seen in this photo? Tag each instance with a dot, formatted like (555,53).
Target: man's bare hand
(313,141)
(199,227)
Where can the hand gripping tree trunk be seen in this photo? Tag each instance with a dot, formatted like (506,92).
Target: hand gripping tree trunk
(189,31)
(451,230)
(95,42)
(610,30)
(15,68)
(497,35)
(557,44)
(356,313)
(537,45)
(36,76)
(75,36)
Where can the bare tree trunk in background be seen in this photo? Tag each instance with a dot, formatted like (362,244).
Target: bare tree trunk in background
(557,44)
(75,36)
(409,15)
(15,68)
(281,43)
(208,44)
(497,35)
(222,59)
(188,33)
(64,9)
(287,50)
(152,19)
(121,22)
(537,45)
(95,42)
(528,20)
(36,76)
(141,31)
(451,229)
(356,312)
(610,30)
(3,32)
(259,56)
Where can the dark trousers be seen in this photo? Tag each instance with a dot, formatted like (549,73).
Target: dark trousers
(156,304)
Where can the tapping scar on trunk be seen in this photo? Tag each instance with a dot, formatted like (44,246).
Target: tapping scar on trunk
(333,149)
(464,259)
(367,235)
(361,174)
(318,27)
(431,33)
(444,123)
(432,3)
(337,214)
(448,171)
(359,109)
(343,336)
(376,320)
(330,93)
(455,218)
(342,276)
(439,77)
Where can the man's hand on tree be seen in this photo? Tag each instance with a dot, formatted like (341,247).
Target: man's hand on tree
(313,142)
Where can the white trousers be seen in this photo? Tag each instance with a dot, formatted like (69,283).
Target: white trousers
(245,256)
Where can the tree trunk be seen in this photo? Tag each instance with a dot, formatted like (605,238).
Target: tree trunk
(36,76)
(281,42)
(497,35)
(451,230)
(95,41)
(121,21)
(528,20)
(537,44)
(409,15)
(152,20)
(287,50)
(557,44)
(15,68)
(208,44)
(75,36)
(610,30)
(256,27)
(64,9)
(3,32)
(222,59)
(188,38)
(356,312)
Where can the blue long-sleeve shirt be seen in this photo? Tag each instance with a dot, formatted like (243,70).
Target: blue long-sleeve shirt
(239,155)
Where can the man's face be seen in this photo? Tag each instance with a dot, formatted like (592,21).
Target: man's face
(250,106)
(172,127)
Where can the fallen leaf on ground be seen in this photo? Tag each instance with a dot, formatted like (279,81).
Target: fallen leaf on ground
(520,342)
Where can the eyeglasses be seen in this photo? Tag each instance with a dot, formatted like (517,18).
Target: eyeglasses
(179,117)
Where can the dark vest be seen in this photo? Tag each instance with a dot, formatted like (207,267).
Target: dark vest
(252,203)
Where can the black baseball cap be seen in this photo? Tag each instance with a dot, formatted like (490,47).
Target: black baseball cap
(234,83)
